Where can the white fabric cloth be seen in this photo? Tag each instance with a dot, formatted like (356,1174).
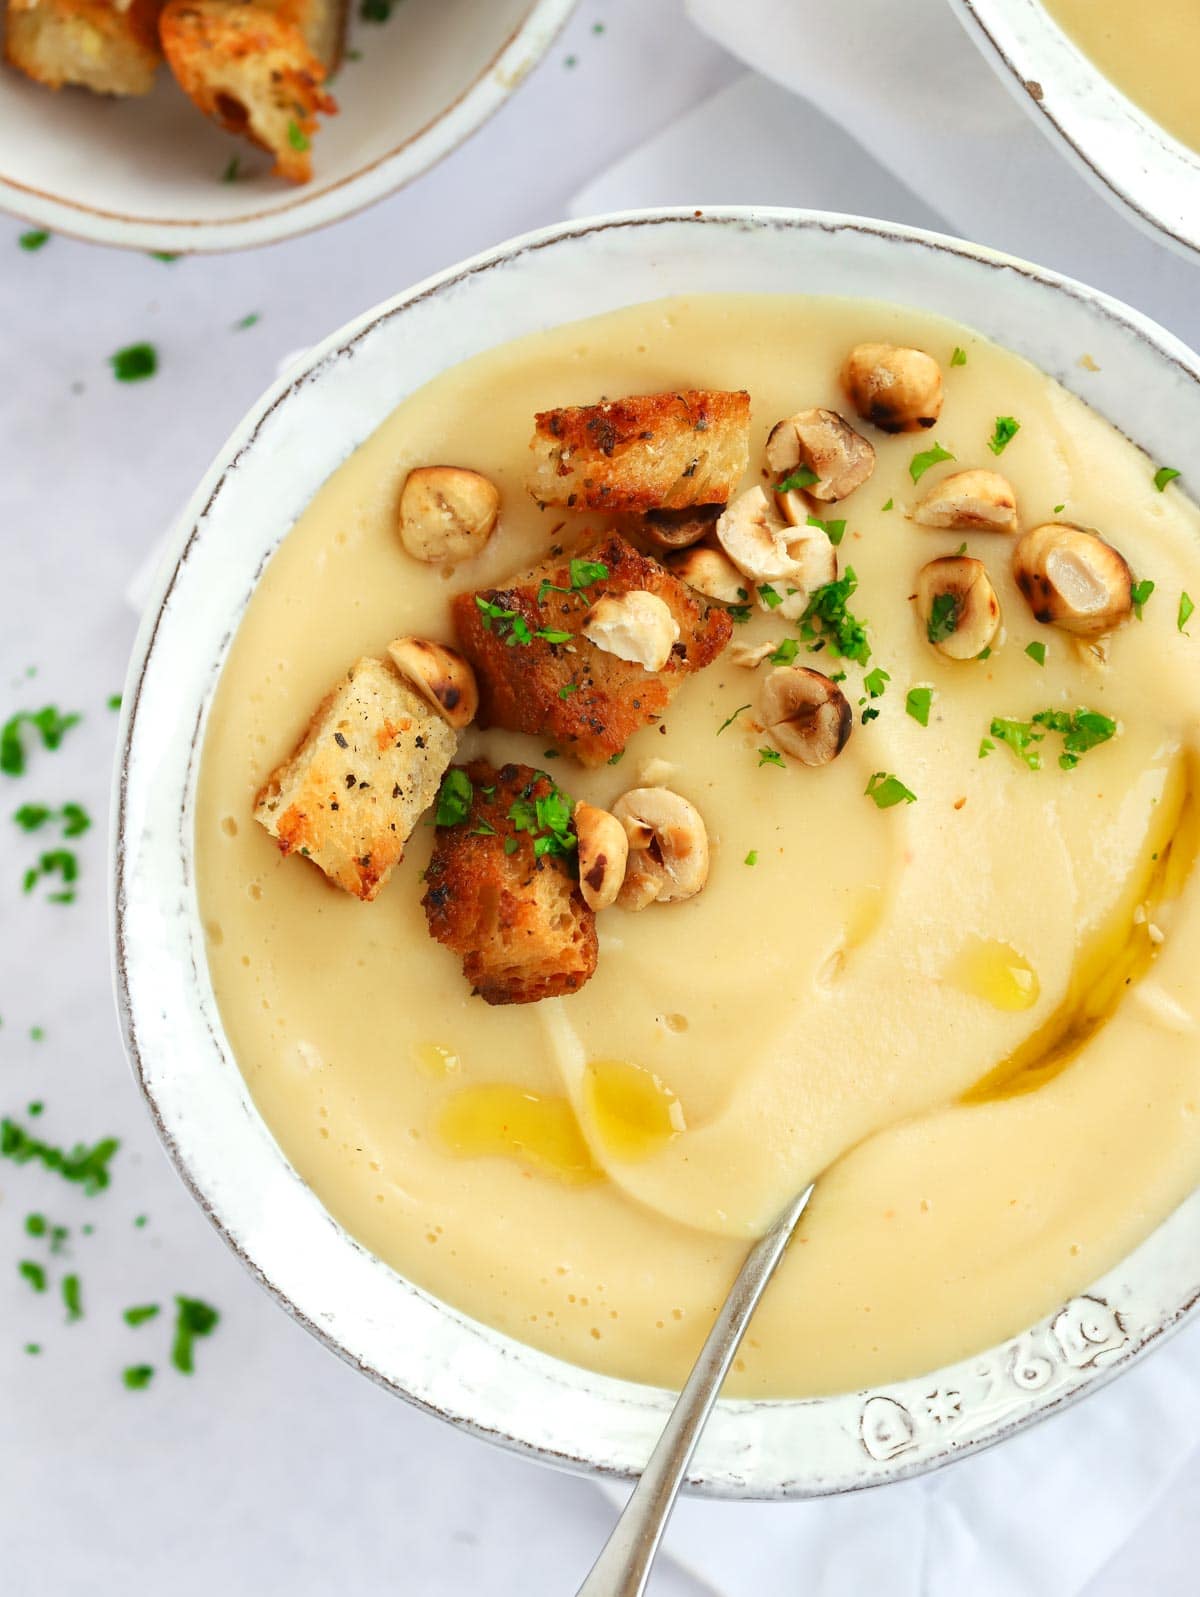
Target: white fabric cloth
(886,109)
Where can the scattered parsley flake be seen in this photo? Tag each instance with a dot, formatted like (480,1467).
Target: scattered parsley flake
(920,464)
(140,1220)
(751,857)
(826,620)
(37,1033)
(1005,430)
(137,1377)
(1186,607)
(34,1273)
(769,596)
(34,239)
(1081,730)
(731,719)
(134,362)
(786,653)
(49,723)
(74,818)
(1058,509)
(985,652)
(835,531)
(769,757)
(35,1225)
(985,747)
(193,1319)
(233,171)
(114,701)
(33,1347)
(1139,593)
(140,1313)
(72,1297)
(943,617)
(454,797)
(1163,476)
(1036,652)
(738,613)
(297,137)
(959,357)
(60,862)
(802,477)
(889,504)
(247,321)
(1020,738)
(876,681)
(615,759)
(88,1166)
(567,689)
(887,790)
(917,702)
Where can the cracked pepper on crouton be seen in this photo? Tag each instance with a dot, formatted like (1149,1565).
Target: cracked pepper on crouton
(501,888)
(257,67)
(369,764)
(647,452)
(102,45)
(537,673)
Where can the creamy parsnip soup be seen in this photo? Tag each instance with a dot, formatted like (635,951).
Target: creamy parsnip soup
(808,791)
(1150,51)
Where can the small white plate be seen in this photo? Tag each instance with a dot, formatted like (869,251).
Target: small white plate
(146,173)
(1119,148)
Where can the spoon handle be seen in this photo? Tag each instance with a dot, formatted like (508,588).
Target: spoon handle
(623,1566)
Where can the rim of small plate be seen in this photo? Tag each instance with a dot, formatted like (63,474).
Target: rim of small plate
(717,1483)
(308,212)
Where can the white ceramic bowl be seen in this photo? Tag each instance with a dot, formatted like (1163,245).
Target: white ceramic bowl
(1146,382)
(146,173)
(1121,150)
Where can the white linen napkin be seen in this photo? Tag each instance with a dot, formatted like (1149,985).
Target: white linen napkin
(888,110)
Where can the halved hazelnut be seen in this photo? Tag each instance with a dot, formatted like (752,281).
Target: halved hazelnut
(679,529)
(710,572)
(636,626)
(1073,579)
(440,675)
(827,444)
(970,501)
(755,537)
(958,607)
(447,513)
(805,714)
(668,847)
(603,851)
(898,389)
(750,655)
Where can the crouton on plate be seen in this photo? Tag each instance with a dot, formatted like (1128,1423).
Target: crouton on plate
(100,45)
(368,766)
(257,66)
(500,889)
(648,452)
(537,673)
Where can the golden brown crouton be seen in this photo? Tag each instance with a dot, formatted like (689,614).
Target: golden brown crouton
(558,684)
(257,66)
(100,45)
(500,891)
(351,794)
(652,451)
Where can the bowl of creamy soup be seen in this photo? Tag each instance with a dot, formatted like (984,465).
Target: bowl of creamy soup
(1114,86)
(683,704)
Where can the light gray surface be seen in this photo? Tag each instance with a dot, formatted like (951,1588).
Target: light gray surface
(274,1468)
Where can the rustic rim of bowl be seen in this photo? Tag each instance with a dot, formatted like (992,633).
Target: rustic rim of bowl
(431,1354)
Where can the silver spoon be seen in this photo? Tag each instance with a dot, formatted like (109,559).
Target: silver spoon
(623,1567)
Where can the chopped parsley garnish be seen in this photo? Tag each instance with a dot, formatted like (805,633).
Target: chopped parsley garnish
(134,362)
(167,256)
(826,620)
(769,757)
(137,1377)
(1005,430)
(232,171)
(114,701)
(802,477)
(297,137)
(889,504)
(786,653)
(738,613)
(583,574)
(1020,738)
(74,818)
(567,689)
(835,531)
(140,1313)
(751,857)
(72,1296)
(876,681)
(34,1273)
(985,747)
(247,321)
(1036,652)
(454,797)
(731,719)
(49,723)
(511,845)
(34,239)
(1058,509)
(1163,476)
(944,614)
(985,652)
(88,1166)
(769,596)
(1081,730)
(1186,607)
(887,790)
(959,357)
(192,1319)
(547,819)
(55,862)
(615,759)
(917,702)
(33,1347)
(1139,593)
(920,464)
(482,829)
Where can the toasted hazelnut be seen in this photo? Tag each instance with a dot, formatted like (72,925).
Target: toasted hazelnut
(827,444)
(1073,579)
(446,513)
(636,626)
(440,674)
(755,537)
(958,607)
(815,565)
(603,850)
(970,501)
(668,847)
(711,573)
(750,655)
(679,529)
(805,714)
(900,390)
